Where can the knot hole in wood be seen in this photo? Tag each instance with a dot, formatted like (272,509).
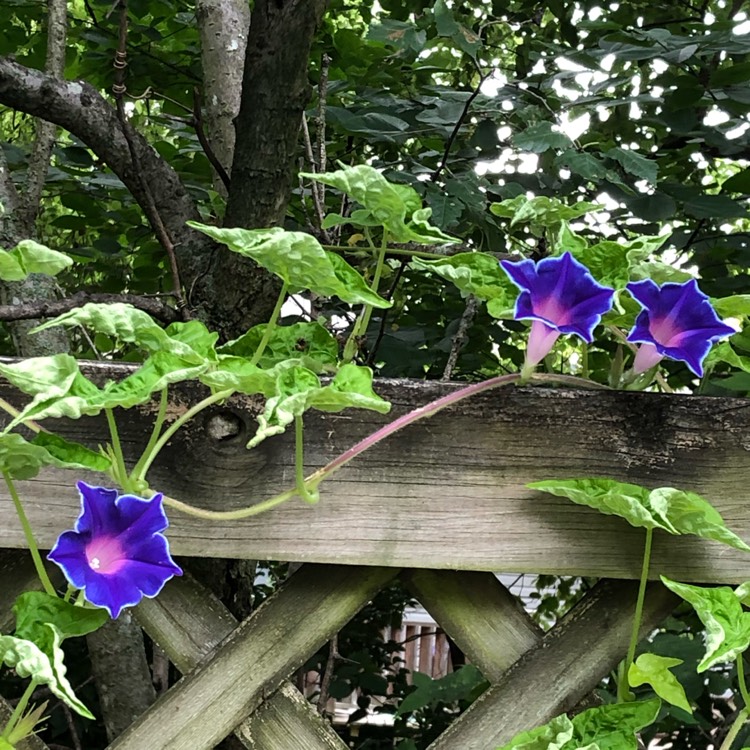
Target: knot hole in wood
(225,426)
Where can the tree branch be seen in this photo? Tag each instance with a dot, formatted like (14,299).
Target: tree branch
(52,308)
(80,108)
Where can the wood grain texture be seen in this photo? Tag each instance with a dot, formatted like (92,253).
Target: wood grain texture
(188,622)
(448,492)
(566,664)
(209,702)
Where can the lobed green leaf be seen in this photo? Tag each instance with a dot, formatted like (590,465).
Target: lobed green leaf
(651,669)
(397,208)
(29,660)
(29,257)
(474,273)
(299,260)
(675,511)
(727,624)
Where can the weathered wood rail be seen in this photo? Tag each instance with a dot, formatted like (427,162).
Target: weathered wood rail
(443,500)
(447,492)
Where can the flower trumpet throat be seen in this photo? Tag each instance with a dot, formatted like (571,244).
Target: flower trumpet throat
(677,322)
(560,296)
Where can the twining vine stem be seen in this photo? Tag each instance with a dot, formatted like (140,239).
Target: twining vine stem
(428,410)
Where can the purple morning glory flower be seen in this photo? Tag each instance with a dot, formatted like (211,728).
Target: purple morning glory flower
(677,321)
(116,552)
(560,296)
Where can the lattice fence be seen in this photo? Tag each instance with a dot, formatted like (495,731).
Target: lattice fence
(435,506)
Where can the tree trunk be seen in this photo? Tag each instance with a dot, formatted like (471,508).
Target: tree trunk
(223,26)
(275,90)
(24,208)
(123,679)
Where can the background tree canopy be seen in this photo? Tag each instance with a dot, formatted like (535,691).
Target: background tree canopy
(640,108)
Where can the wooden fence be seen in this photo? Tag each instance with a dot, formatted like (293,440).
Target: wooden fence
(439,504)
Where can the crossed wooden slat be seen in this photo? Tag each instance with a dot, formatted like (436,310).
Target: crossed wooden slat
(236,674)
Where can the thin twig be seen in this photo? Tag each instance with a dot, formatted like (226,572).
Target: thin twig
(315,187)
(327,678)
(152,213)
(320,122)
(462,335)
(53,308)
(197,122)
(454,133)
(72,728)
(384,313)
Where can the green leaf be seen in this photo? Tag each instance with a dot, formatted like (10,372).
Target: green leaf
(608,262)
(658,272)
(613,726)
(19,458)
(36,610)
(453,687)
(629,501)
(43,377)
(29,660)
(737,183)
(583,164)
(240,375)
(292,390)
(298,389)
(473,273)
(634,163)
(736,306)
(313,344)
(674,511)
(566,240)
(68,455)
(723,352)
(727,624)
(82,398)
(689,513)
(31,257)
(125,323)
(714,207)
(398,208)
(656,207)
(299,260)
(554,735)
(157,372)
(650,669)
(540,211)
(356,288)
(742,592)
(351,387)
(194,334)
(541,137)
(465,39)
(728,74)
(420,230)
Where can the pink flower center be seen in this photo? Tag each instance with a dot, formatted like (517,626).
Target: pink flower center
(551,309)
(105,555)
(664,331)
